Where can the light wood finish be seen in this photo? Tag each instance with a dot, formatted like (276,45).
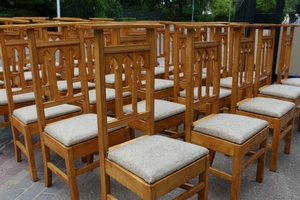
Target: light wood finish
(111,169)
(205,33)
(27,130)
(4,109)
(207,54)
(287,36)
(285,51)
(12,61)
(44,53)
(281,127)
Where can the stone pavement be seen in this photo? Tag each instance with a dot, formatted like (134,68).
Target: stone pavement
(15,182)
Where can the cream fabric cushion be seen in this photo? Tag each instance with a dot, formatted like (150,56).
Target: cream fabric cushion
(25,68)
(62,85)
(267,106)
(231,127)
(292,81)
(161,61)
(1,83)
(110,95)
(28,75)
(223,92)
(280,90)
(226,82)
(160,84)
(159,70)
(155,157)
(28,114)
(162,109)
(20,98)
(76,129)
(110,78)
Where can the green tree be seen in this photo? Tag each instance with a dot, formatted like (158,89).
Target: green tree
(223,10)
(265,6)
(113,9)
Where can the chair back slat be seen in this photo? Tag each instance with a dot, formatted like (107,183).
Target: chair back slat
(46,56)
(12,55)
(130,60)
(285,51)
(264,57)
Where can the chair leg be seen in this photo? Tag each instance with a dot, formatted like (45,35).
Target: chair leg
(72,181)
(6,118)
(17,142)
(204,177)
(212,156)
(236,175)
(261,161)
(288,138)
(47,171)
(30,156)
(275,148)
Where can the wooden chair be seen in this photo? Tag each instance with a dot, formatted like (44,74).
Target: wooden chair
(285,51)
(146,151)
(284,92)
(8,33)
(24,119)
(226,133)
(280,114)
(287,36)
(71,137)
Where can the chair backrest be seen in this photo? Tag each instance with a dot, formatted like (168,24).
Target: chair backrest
(13,50)
(264,56)
(285,51)
(201,55)
(140,56)
(243,61)
(44,56)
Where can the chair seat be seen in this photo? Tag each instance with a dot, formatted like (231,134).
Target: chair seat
(110,95)
(110,78)
(21,98)
(159,70)
(71,131)
(62,85)
(227,81)
(163,109)
(231,127)
(279,90)
(161,84)
(25,68)
(267,106)
(155,157)
(28,114)
(28,75)
(223,93)
(292,81)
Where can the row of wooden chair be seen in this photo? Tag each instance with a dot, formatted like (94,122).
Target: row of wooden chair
(136,60)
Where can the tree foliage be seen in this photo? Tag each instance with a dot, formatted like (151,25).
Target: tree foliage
(265,6)
(222,8)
